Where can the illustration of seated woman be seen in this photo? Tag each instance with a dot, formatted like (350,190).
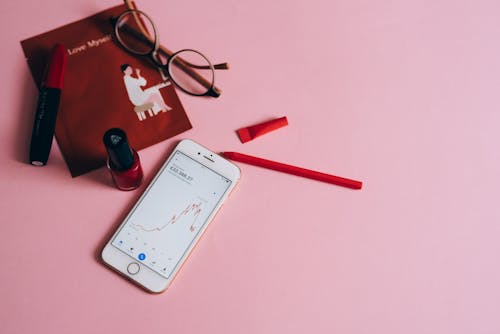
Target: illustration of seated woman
(149,99)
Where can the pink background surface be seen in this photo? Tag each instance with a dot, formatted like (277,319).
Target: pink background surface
(402,95)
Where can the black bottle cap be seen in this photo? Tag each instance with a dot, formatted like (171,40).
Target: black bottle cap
(120,154)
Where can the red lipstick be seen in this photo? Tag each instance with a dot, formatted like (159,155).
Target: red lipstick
(48,106)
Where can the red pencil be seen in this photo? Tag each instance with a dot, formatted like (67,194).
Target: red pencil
(280,167)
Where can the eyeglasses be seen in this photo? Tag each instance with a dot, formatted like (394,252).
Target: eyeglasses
(188,69)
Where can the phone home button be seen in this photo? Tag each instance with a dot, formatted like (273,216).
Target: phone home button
(133,268)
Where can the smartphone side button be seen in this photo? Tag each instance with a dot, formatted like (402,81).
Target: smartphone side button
(133,268)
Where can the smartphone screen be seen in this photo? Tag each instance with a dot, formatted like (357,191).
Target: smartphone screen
(171,214)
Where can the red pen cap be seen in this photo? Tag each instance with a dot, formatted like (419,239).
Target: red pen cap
(251,132)
(55,67)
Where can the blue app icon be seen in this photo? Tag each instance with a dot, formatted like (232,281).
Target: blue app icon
(142,256)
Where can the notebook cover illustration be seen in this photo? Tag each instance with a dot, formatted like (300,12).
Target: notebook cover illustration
(104,87)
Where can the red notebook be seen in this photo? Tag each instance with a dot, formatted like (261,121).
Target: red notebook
(104,87)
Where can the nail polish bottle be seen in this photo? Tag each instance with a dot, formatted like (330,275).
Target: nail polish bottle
(123,161)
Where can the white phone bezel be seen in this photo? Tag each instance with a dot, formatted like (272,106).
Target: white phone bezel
(146,277)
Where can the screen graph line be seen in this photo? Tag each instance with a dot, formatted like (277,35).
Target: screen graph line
(194,209)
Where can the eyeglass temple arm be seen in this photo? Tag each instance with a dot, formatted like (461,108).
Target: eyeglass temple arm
(222,66)
(183,63)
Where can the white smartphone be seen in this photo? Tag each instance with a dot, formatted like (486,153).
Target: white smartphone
(169,218)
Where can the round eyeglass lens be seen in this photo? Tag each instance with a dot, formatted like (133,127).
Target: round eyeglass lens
(136,32)
(191,71)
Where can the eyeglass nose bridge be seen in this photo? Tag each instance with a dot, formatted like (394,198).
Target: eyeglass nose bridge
(157,59)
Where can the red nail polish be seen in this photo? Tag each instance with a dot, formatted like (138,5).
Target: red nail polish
(123,162)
